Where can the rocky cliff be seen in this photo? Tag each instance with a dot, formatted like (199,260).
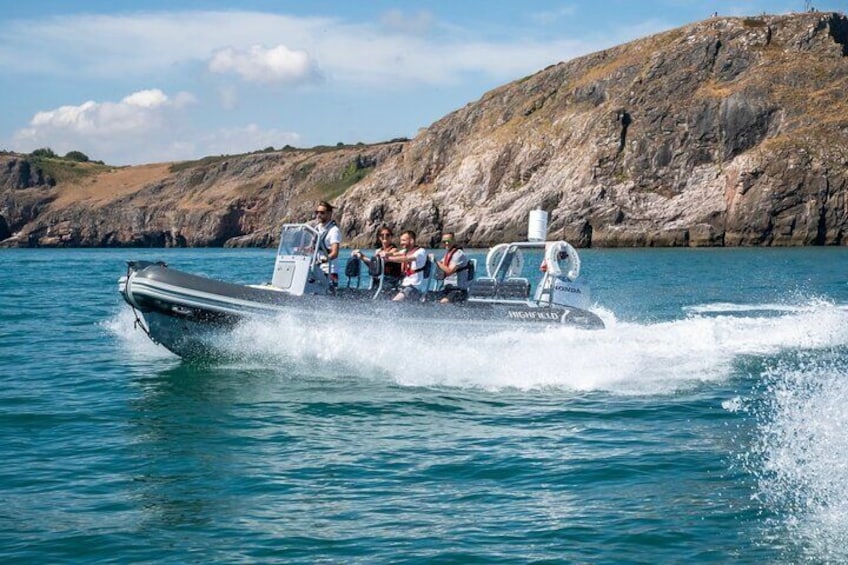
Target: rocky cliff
(730,131)
(233,201)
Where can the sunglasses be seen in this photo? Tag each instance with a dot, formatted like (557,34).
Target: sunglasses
(322,212)
(385,235)
(447,241)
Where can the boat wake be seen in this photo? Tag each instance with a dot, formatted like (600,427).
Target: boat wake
(800,454)
(717,308)
(627,358)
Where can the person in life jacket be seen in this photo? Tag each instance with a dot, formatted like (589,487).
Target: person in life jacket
(392,272)
(454,265)
(329,241)
(412,260)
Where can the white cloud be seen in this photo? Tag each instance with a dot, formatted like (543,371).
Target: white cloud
(146,98)
(137,112)
(141,42)
(265,65)
(145,126)
(227,42)
(65,117)
(104,129)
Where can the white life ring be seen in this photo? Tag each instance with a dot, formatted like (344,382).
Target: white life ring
(493,260)
(552,254)
(517,264)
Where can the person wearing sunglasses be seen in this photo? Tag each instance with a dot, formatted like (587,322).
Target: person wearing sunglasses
(392,272)
(454,266)
(329,241)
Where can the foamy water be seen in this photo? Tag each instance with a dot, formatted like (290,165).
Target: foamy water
(801,452)
(135,342)
(625,358)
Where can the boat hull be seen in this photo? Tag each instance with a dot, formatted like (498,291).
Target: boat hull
(186,313)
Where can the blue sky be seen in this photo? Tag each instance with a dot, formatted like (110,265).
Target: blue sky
(130,83)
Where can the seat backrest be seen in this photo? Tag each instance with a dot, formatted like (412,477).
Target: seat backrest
(482,288)
(352,271)
(428,267)
(426,274)
(375,267)
(352,267)
(514,288)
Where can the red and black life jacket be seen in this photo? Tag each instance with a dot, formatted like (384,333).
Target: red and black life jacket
(409,272)
(469,266)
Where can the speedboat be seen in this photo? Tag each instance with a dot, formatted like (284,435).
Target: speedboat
(180,310)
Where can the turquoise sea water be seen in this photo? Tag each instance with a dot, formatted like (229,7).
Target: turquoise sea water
(706,424)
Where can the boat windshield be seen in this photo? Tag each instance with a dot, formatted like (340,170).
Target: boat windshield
(297,239)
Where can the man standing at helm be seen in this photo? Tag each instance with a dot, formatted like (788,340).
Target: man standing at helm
(329,241)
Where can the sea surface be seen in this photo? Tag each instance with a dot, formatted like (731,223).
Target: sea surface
(706,424)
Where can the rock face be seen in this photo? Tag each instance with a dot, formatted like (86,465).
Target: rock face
(726,132)
(24,192)
(730,131)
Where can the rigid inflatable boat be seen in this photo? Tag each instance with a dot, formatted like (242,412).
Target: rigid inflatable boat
(181,311)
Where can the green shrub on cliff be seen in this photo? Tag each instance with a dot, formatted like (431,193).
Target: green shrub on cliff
(44,152)
(78,156)
(74,166)
(356,170)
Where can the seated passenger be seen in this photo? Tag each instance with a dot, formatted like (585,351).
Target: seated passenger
(391,271)
(454,265)
(412,260)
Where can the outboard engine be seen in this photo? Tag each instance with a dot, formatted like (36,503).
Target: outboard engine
(566,292)
(297,270)
(561,284)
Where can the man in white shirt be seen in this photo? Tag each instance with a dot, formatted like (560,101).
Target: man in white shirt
(329,241)
(412,259)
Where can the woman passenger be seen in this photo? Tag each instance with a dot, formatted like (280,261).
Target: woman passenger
(392,272)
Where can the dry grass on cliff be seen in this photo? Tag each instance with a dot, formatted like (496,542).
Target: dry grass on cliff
(110,184)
